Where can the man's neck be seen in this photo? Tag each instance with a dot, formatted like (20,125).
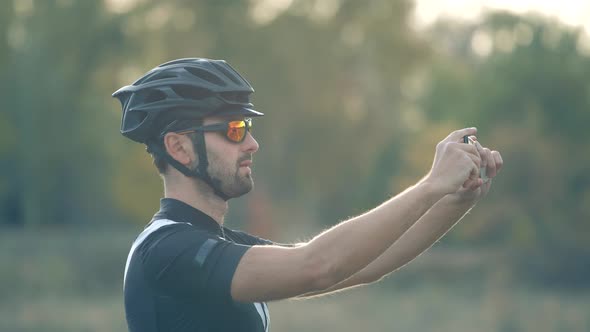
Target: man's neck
(198,195)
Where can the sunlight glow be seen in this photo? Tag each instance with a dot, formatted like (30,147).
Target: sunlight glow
(120,6)
(265,11)
(571,12)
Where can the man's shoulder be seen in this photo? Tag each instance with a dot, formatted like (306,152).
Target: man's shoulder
(169,230)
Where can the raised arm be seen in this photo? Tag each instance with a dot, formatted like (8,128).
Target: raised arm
(428,229)
(270,272)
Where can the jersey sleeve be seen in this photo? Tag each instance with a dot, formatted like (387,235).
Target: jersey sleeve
(248,239)
(252,240)
(184,261)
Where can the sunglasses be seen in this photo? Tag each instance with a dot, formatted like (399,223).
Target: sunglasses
(235,131)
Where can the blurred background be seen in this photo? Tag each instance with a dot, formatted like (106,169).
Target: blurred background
(356,96)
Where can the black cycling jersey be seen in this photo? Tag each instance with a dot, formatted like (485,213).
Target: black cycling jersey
(179,272)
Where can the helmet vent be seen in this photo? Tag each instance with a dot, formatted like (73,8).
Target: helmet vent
(191,92)
(236,97)
(161,77)
(227,73)
(205,75)
(156,77)
(154,95)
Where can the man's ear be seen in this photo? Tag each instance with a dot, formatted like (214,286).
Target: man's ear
(179,147)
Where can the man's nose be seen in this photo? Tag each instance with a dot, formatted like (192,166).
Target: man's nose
(250,144)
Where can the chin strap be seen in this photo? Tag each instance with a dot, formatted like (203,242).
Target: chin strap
(199,172)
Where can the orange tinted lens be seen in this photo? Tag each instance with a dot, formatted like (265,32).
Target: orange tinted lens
(236,130)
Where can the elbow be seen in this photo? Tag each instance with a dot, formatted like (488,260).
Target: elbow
(321,273)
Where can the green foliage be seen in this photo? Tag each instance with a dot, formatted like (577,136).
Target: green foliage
(51,57)
(355,101)
(531,103)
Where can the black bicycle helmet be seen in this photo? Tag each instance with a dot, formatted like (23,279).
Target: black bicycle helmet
(183,89)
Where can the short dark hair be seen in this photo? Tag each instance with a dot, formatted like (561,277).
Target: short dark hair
(159,160)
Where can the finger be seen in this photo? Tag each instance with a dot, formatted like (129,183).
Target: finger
(473,175)
(467,184)
(478,183)
(469,148)
(457,135)
(482,154)
(473,184)
(470,183)
(477,160)
(491,163)
(485,187)
(498,159)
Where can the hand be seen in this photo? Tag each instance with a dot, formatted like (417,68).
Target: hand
(492,161)
(456,164)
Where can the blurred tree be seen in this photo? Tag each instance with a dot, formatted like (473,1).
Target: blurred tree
(355,101)
(524,82)
(328,77)
(47,71)
(334,99)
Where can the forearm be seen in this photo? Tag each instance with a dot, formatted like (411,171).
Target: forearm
(350,246)
(421,236)
(425,232)
(273,272)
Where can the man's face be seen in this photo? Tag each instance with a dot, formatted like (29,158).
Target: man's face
(230,162)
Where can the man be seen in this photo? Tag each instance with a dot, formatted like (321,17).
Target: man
(188,272)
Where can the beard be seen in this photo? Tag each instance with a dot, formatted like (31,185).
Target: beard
(228,177)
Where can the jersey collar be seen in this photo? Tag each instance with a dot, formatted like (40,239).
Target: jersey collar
(179,211)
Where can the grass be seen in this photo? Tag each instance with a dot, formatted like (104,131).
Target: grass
(71,280)
(434,307)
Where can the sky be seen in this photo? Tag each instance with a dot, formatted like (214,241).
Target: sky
(571,12)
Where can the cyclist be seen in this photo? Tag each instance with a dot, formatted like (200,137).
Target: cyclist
(188,272)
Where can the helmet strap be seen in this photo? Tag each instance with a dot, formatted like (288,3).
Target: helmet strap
(199,172)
